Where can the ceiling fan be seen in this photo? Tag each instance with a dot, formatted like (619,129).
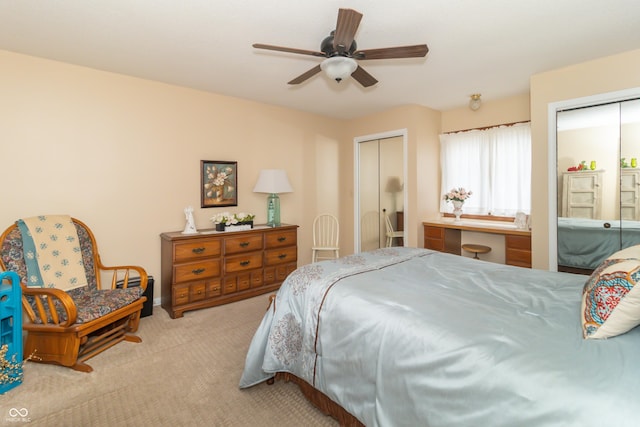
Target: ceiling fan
(341,53)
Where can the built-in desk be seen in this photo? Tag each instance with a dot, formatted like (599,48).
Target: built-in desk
(445,235)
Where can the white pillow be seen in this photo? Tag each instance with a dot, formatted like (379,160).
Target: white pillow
(611,299)
(630,252)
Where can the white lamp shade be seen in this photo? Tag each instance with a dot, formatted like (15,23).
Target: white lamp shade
(339,67)
(273,181)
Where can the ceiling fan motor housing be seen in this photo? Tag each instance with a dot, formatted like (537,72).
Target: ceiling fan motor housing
(327,47)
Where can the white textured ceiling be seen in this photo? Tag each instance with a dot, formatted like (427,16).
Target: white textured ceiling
(490,47)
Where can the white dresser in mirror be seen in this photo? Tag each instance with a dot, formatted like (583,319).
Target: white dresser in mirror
(582,194)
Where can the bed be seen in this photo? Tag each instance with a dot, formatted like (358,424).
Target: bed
(584,243)
(407,337)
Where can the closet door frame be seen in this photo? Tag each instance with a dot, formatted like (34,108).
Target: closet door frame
(553,108)
(356,180)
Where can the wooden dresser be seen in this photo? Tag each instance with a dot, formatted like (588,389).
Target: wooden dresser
(212,268)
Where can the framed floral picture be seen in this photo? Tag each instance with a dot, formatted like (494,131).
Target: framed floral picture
(218,183)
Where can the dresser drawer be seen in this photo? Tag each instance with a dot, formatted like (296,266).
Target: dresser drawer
(281,256)
(243,262)
(278,239)
(214,288)
(197,292)
(195,250)
(236,245)
(196,270)
(180,294)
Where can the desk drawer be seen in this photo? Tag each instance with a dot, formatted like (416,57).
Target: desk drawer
(518,242)
(194,250)
(518,258)
(433,232)
(243,262)
(196,270)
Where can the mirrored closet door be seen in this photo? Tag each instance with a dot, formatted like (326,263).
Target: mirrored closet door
(381,191)
(598,149)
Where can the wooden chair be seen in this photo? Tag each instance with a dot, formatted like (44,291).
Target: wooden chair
(391,233)
(70,327)
(326,233)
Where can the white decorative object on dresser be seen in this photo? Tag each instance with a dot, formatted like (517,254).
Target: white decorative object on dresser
(212,268)
(582,194)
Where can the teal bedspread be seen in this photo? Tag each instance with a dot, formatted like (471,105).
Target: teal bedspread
(412,337)
(585,243)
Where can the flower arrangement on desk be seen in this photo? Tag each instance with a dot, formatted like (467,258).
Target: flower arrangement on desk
(457,195)
(225,220)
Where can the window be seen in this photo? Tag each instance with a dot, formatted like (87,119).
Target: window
(494,163)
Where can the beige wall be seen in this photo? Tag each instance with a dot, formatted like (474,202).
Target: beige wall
(123,155)
(601,76)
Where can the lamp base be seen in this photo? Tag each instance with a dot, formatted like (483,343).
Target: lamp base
(273,210)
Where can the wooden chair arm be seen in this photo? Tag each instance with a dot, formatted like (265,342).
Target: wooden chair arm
(46,312)
(123,272)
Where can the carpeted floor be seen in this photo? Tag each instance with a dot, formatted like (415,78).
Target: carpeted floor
(184,373)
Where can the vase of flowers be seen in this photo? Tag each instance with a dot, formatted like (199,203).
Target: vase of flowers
(457,197)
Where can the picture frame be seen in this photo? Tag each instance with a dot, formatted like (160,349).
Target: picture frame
(218,183)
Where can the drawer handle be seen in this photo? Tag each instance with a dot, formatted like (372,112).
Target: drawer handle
(199,291)
(281,239)
(198,271)
(197,250)
(245,263)
(282,256)
(244,244)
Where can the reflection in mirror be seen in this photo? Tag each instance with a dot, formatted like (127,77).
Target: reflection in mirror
(588,140)
(598,183)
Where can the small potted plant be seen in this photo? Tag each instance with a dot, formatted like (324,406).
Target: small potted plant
(245,218)
(224,220)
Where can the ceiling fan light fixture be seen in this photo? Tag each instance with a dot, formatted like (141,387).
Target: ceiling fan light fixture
(475,101)
(339,68)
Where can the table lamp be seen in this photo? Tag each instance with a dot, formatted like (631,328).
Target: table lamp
(273,182)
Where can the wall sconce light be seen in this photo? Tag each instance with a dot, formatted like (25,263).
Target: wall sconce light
(475,101)
(272,182)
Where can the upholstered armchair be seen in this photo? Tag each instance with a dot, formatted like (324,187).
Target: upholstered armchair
(70,327)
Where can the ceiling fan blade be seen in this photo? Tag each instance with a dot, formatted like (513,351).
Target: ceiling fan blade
(346,27)
(364,78)
(414,51)
(288,49)
(304,76)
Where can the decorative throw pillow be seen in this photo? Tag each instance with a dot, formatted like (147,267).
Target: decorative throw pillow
(611,299)
(630,252)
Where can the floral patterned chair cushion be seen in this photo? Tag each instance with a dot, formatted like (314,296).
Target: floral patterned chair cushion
(94,303)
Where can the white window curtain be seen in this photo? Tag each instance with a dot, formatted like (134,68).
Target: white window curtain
(495,164)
